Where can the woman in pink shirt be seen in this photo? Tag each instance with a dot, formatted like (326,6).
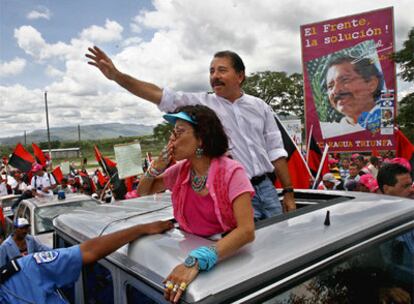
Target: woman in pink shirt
(211,193)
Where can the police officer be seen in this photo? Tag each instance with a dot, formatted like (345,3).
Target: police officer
(20,243)
(35,277)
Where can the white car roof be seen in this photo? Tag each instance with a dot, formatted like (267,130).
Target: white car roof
(280,241)
(71,197)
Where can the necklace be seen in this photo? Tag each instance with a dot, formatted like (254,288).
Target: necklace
(198,182)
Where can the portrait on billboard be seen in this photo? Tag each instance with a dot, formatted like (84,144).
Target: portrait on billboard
(347,86)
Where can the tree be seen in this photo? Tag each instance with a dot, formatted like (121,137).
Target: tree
(162,131)
(284,93)
(405,57)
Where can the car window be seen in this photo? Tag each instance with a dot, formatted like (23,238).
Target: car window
(20,210)
(99,286)
(381,273)
(26,215)
(136,296)
(43,216)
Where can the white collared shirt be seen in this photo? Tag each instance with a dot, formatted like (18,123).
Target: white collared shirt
(249,123)
(40,182)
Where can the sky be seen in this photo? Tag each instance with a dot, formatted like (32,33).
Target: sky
(167,42)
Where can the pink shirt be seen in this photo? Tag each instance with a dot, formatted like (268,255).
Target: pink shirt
(202,221)
(200,214)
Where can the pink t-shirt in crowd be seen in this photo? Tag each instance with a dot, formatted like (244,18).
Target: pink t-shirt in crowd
(199,210)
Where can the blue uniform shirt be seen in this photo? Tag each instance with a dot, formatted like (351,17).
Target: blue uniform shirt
(40,274)
(9,249)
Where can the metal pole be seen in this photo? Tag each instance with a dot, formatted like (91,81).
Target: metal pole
(25,138)
(48,130)
(79,135)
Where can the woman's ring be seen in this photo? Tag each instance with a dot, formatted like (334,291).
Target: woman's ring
(175,288)
(169,285)
(183,286)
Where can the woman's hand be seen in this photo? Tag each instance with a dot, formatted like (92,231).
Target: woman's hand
(164,159)
(178,280)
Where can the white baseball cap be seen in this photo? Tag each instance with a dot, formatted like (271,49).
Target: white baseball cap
(21,222)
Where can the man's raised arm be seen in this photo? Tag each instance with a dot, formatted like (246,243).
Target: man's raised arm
(142,89)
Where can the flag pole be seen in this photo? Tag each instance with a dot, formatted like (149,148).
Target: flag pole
(325,153)
(308,144)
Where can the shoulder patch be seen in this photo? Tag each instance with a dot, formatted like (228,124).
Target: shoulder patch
(45,256)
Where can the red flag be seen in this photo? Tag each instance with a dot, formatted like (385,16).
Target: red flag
(298,169)
(375,152)
(129,183)
(87,180)
(314,159)
(57,174)
(110,168)
(38,153)
(21,159)
(101,178)
(405,148)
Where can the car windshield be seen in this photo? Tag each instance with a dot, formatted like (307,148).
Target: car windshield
(43,216)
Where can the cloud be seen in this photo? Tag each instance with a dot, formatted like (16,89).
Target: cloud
(111,32)
(12,68)
(53,72)
(40,13)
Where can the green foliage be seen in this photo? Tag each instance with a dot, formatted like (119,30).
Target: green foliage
(284,93)
(405,57)
(405,118)
(162,132)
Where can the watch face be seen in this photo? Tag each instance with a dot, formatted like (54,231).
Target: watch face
(189,261)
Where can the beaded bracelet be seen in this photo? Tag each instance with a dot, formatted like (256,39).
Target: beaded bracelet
(152,172)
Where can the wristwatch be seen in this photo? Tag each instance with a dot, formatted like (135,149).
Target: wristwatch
(288,190)
(190,261)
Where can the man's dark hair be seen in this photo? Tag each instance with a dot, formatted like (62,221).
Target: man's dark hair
(387,175)
(364,67)
(374,160)
(208,128)
(235,59)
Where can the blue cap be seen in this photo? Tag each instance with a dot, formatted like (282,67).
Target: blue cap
(172,118)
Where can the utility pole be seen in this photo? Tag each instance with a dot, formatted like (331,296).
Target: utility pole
(79,135)
(48,130)
(25,138)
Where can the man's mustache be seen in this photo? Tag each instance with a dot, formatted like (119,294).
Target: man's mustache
(216,82)
(339,96)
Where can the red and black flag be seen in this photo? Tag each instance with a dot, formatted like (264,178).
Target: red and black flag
(21,159)
(298,170)
(111,170)
(58,175)
(405,149)
(314,158)
(102,180)
(38,153)
(87,183)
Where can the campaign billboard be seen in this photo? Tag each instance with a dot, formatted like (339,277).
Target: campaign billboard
(350,82)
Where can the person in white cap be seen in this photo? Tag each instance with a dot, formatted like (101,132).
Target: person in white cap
(329,182)
(20,243)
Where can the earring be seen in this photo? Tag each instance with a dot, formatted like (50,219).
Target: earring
(199,152)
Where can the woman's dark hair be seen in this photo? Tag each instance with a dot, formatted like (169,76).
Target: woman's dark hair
(208,128)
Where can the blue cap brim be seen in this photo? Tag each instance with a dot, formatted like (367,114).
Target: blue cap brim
(172,118)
